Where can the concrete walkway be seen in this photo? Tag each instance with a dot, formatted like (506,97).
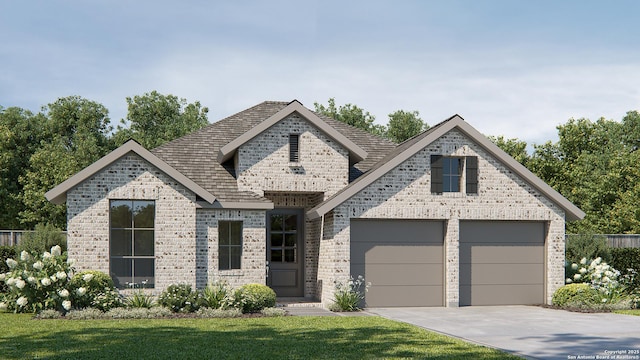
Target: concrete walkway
(529,331)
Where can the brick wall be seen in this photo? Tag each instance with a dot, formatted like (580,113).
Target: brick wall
(262,164)
(131,177)
(404,193)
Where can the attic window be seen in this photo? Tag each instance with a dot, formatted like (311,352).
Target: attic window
(447,174)
(294,148)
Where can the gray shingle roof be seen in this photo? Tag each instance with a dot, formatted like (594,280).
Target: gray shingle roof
(194,155)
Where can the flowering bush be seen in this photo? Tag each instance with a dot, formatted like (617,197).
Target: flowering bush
(36,283)
(95,289)
(600,276)
(179,298)
(349,296)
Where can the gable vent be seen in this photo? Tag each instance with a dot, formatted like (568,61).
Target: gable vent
(294,147)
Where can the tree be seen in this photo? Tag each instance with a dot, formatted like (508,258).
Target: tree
(404,125)
(75,134)
(154,119)
(350,114)
(20,135)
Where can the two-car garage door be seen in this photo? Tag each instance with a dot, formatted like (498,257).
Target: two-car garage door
(501,262)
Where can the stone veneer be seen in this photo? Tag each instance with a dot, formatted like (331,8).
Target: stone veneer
(405,193)
(262,164)
(133,178)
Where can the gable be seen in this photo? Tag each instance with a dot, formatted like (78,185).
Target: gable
(227,151)
(413,146)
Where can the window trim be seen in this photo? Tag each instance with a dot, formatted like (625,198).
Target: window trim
(229,246)
(467,174)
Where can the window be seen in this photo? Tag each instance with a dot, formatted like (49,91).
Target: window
(131,243)
(229,244)
(294,147)
(447,174)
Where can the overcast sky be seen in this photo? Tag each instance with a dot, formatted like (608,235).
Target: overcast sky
(513,68)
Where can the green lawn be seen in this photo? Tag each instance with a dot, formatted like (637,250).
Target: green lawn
(244,338)
(635,312)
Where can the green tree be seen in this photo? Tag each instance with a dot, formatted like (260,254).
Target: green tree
(404,125)
(514,147)
(20,135)
(154,119)
(350,114)
(75,135)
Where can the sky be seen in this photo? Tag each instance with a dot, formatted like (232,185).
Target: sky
(508,67)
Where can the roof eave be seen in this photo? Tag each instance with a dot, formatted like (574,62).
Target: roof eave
(58,194)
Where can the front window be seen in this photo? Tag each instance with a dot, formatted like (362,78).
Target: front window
(132,238)
(451,169)
(229,245)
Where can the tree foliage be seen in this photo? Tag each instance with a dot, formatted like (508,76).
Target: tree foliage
(154,119)
(404,125)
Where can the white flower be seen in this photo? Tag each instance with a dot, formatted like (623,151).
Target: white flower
(64,293)
(3,276)
(574,266)
(605,279)
(66,305)
(583,261)
(38,265)
(22,301)
(604,300)
(53,278)
(45,282)
(46,255)
(577,276)
(31,280)
(20,284)
(71,262)
(24,256)
(11,281)
(11,263)
(61,275)
(81,291)
(56,250)
(87,277)
(583,270)
(3,305)
(598,260)
(608,273)
(568,281)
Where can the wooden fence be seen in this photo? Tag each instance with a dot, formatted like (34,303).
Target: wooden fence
(12,237)
(619,240)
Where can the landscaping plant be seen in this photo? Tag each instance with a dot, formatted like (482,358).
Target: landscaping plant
(36,283)
(179,298)
(350,295)
(100,291)
(215,295)
(43,238)
(257,297)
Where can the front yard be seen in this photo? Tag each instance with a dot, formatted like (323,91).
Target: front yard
(289,337)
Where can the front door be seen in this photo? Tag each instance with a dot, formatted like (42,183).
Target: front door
(285,253)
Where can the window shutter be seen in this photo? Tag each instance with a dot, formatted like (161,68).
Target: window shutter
(436,174)
(294,144)
(472,174)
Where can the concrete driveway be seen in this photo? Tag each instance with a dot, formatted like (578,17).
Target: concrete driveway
(531,331)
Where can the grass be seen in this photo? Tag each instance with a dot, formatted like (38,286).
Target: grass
(635,312)
(245,338)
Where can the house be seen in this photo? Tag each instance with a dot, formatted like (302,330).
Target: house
(280,195)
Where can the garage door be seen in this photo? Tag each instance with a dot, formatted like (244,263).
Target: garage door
(501,262)
(401,258)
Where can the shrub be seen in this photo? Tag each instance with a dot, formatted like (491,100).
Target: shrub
(273,312)
(349,296)
(215,295)
(627,260)
(140,300)
(574,295)
(257,297)
(587,246)
(179,298)
(93,288)
(6,252)
(37,283)
(42,239)
(218,313)
(49,314)
(84,314)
